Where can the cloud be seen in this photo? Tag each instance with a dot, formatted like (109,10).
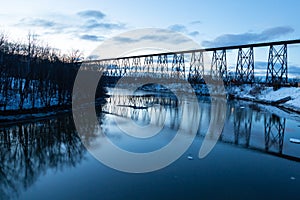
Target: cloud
(158,38)
(173,38)
(183,29)
(93,57)
(167,38)
(264,65)
(91,37)
(92,24)
(177,28)
(94,21)
(154,37)
(292,69)
(122,39)
(246,38)
(196,22)
(194,33)
(260,67)
(37,23)
(91,14)
(86,27)
(43,26)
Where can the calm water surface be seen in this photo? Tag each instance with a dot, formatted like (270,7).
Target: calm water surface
(45,159)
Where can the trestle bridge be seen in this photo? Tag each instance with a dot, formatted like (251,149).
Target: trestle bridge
(191,64)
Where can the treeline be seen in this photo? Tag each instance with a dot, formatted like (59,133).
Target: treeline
(34,75)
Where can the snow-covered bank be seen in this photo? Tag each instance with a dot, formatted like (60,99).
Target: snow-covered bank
(14,116)
(285,97)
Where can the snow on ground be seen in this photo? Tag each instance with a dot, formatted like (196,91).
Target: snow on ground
(13,102)
(268,95)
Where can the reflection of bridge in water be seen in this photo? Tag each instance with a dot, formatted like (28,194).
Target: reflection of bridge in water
(145,109)
(238,128)
(273,126)
(191,64)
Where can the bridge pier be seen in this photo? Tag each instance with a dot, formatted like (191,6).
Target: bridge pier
(245,66)
(162,65)
(106,65)
(196,72)
(219,65)
(136,66)
(115,68)
(125,68)
(148,64)
(277,65)
(101,67)
(178,66)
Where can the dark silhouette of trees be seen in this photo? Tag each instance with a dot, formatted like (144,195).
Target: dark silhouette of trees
(35,76)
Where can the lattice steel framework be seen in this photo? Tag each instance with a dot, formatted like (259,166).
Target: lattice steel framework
(277,65)
(115,68)
(136,66)
(148,64)
(162,65)
(125,68)
(274,132)
(196,72)
(105,66)
(277,71)
(245,66)
(178,66)
(219,65)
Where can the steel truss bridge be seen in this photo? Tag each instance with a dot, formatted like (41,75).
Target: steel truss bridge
(190,64)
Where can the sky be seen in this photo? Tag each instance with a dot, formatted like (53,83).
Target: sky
(86,24)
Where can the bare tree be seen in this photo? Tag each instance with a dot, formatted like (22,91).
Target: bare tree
(74,56)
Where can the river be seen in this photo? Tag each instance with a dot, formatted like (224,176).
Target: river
(253,157)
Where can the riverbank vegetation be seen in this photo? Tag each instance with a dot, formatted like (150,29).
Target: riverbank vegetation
(35,76)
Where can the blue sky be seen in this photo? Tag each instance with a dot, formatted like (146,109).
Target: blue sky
(85,24)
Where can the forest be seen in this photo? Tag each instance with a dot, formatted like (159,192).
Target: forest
(35,76)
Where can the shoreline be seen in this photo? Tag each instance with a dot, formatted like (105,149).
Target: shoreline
(285,98)
(263,102)
(10,117)
(28,114)
(261,95)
